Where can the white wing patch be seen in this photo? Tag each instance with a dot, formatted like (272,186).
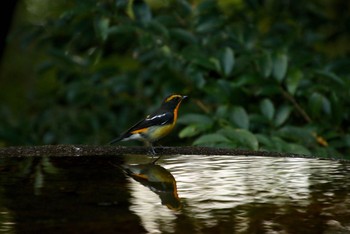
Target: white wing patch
(159,116)
(156,117)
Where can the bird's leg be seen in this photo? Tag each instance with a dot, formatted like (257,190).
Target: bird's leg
(153,152)
(154,162)
(151,148)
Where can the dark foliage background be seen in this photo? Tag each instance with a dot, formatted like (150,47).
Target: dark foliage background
(267,75)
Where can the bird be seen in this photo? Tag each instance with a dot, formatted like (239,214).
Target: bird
(156,125)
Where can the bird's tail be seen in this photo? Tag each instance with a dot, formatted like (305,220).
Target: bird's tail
(115,140)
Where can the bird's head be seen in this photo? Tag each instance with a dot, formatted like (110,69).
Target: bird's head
(172,101)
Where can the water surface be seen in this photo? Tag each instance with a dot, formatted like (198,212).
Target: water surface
(181,194)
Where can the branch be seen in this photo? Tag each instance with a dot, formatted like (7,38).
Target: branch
(301,111)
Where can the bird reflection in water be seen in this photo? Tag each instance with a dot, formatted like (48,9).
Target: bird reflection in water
(157,179)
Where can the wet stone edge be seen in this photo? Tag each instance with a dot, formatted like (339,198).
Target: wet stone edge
(93,150)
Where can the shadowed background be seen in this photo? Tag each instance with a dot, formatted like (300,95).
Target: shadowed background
(268,75)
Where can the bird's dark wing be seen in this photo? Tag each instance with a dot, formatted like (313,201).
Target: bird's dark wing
(156,119)
(153,120)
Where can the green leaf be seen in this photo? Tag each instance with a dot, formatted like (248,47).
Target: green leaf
(326,105)
(315,103)
(227,61)
(268,89)
(158,28)
(346,140)
(331,75)
(247,138)
(293,80)
(102,28)
(318,103)
(208,25)
(190,131)
(122,29)
(198,79)
(166,50)
(266,64)
(195,119)
(264,140)
(193,55)
(279,144)
(282,115)
(222,112)
(183,35)
(210,139)
(142,11)
(216,63)
(297,149)
(185,7)
(296,134)
(224,87)
(267,108)
(242,136)
(240,117)
(280,66)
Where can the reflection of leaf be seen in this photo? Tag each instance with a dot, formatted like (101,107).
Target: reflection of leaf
(38,180)
(48,167)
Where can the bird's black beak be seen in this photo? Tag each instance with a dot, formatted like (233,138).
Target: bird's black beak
(184,97)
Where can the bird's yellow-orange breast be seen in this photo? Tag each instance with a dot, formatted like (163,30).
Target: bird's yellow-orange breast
(159,132)
(175,112)
(162,131)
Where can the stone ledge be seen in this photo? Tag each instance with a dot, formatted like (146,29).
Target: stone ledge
(94,150)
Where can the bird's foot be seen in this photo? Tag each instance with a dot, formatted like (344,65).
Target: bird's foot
(154,162)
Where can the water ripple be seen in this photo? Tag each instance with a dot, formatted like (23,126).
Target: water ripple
(214,184)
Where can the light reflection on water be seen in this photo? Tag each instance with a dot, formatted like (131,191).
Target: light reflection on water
(211,194)
(212,187)
(154,216)
(6,222)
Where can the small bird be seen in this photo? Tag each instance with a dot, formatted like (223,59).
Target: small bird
(156,125)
